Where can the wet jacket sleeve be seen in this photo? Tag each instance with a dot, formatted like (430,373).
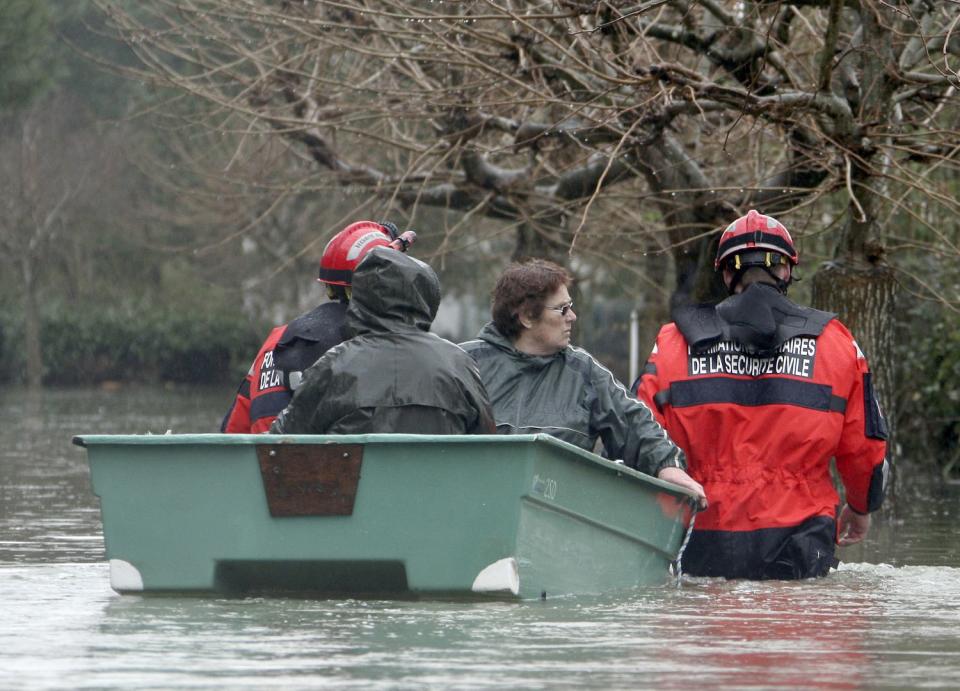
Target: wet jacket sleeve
(305,414)
(628,428)
(861,454)
(237,419)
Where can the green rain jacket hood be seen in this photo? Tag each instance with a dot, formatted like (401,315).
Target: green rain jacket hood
(572,397)
(392,292)
(393,376)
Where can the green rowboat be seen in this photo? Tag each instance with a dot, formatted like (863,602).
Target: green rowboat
(406,515)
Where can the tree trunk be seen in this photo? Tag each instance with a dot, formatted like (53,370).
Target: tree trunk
(31,326)
(545,242)
(667,168)
(863,300)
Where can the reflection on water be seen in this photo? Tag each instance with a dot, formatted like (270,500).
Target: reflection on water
(888,618)
(47,511)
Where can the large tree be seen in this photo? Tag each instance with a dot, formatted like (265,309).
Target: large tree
(597,129)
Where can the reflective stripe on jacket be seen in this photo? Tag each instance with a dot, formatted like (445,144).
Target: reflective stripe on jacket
(759,433)
(267,389)
(263,393)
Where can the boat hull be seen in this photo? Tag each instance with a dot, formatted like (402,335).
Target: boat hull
(400,515)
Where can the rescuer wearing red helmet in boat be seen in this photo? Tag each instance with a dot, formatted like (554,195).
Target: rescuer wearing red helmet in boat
(291,348)
(761,393)
(392,375)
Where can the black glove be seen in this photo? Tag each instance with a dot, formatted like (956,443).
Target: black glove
(391,228)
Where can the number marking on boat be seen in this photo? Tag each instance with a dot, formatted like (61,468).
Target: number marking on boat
(545,486)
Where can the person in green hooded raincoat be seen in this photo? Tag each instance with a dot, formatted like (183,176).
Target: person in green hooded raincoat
(393,375)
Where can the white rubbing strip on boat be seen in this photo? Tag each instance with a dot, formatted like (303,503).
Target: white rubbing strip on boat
(499,576)
(124,576)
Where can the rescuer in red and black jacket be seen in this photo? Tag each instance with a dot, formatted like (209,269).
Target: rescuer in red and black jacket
(761,393)
(292,348)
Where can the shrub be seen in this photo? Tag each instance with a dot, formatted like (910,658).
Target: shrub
(89,345)
(929,358)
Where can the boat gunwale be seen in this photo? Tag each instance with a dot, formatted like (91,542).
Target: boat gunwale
(214,439)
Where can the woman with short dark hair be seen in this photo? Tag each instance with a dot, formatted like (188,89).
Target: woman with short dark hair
(525,286)
(538,382)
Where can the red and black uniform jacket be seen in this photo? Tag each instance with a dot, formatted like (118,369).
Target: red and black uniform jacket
(275,372)
(761,394)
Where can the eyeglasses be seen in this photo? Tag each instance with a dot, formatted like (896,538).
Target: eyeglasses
(562,309)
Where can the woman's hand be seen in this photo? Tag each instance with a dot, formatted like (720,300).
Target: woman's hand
(679,476)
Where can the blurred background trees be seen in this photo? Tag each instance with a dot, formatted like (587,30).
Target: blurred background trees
(97,280)
(616,138)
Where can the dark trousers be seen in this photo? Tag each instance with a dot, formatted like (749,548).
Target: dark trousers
(803,551)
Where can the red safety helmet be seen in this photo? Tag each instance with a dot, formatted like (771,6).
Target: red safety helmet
(348,247)
(756,232)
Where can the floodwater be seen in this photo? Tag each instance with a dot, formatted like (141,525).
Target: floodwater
(889,618)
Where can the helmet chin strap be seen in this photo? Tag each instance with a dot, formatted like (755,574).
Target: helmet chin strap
(339,293)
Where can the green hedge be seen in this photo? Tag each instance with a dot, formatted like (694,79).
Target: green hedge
(92,345)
